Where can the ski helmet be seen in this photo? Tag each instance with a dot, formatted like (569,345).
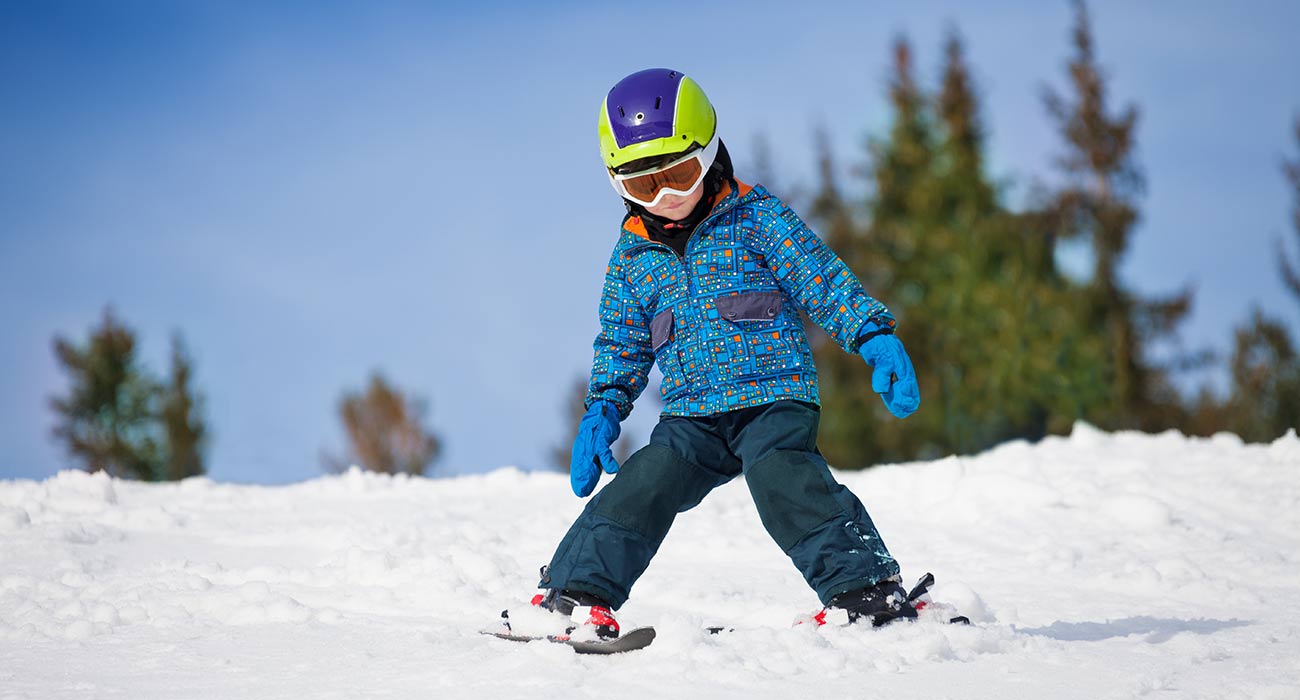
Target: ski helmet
(653,113)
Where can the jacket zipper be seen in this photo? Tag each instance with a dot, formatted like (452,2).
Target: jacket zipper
(686,273)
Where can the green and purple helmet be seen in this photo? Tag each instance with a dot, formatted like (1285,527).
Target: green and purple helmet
(651,114)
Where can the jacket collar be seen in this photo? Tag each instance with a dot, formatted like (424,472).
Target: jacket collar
(726,199)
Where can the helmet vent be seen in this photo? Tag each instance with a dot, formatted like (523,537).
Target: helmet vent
(620,111)
(657,101)
(640,116)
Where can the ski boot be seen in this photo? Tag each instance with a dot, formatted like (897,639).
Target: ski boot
(563,615)
(591,616)
(880,604)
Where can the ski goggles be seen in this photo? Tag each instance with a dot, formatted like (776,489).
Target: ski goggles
(680,176)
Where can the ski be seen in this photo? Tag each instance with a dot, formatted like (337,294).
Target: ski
(919,597)
(642,637)
(638,638)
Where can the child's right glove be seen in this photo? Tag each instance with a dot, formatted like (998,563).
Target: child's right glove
(596,432)
(893,376)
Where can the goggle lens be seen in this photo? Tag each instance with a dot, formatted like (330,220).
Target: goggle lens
(681,177)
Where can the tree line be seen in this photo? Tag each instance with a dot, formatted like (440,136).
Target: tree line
(118,417)
(1006,345)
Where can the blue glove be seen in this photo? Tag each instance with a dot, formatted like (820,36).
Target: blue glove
(893,377)
(597,431)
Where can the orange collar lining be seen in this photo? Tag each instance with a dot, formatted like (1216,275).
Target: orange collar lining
(636,226)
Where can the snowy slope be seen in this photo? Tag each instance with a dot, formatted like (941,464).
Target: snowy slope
(1097,566)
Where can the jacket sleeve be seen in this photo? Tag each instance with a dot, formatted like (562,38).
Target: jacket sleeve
(815,277)
(621,368)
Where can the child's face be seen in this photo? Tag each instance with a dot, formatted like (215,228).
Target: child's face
(676,207)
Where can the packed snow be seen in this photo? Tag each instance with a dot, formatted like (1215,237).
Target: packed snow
(1094,566)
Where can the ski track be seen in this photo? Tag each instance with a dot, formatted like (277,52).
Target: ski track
(1095,566)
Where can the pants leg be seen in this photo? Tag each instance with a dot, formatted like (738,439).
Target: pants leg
(610,545)
(817,522)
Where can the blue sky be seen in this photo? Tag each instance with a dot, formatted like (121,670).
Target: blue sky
(311,191)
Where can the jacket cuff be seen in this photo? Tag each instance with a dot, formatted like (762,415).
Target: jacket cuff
(613,395)
(880,323)
(875,326)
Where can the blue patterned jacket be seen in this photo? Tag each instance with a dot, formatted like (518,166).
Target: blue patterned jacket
(722,322)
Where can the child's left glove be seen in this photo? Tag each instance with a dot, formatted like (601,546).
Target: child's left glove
(596,432)
(893,376)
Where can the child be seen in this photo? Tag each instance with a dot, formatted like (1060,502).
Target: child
(707,279)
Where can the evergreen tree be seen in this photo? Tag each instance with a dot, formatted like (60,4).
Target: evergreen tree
(921,219)
(962,147)
(993,331)
(964,300)
(1291,273)
(1283,396)
(1265,376)
(181,414)
(106,421)
(1015,357)
(1098,201)
(848,420)
(902,178)
(385,431)
(886,255)
(1264,367)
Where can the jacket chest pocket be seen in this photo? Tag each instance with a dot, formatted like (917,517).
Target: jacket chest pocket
(662,336)
(750,306)
(755,339)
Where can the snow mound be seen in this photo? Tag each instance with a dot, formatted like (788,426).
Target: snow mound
(1096,565)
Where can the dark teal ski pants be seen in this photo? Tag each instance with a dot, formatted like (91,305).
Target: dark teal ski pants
(817,522)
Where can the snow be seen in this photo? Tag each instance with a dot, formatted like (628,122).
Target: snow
(1096,566)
